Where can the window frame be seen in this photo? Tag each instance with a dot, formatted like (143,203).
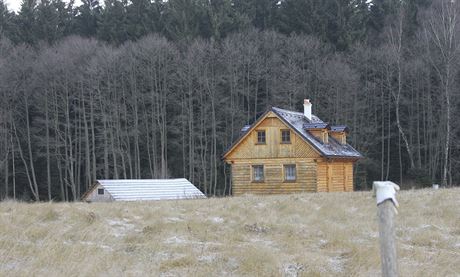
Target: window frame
(281,133)
(253,172)
(285,171)
(99,191)
(257,136)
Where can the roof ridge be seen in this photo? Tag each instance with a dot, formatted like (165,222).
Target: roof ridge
(284,110)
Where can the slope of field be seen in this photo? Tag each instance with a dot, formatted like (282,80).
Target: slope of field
(292,235)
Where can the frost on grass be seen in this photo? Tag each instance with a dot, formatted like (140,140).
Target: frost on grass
(120,227)
(176,240)
(216,219)
(293,270)
(287,235)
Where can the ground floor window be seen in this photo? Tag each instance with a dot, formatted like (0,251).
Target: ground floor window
(257,173)
(289,172)
(100,191)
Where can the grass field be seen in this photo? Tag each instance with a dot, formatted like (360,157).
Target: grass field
(319,234)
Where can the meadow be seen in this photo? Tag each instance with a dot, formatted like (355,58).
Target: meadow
(313,234)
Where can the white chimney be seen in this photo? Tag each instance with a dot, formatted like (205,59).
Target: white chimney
(307,108)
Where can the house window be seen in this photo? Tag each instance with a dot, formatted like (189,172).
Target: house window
(100,191)
(261,137)
(258,173)
(289,172)
(285,136)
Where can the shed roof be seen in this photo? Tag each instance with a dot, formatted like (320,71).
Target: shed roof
(150,189)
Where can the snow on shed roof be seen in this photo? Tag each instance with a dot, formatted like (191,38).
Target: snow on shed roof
(151,189)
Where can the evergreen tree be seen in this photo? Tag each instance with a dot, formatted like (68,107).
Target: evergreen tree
(53,20)
(26,23)
(262,14)
(143,17)
(113,24)
(186,19)
(6,21)
(330,20)
(223,19)
(86,18)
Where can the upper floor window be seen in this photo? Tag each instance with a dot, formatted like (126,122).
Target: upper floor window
(100,191)
(257,173)
(285,136)
(261,138)
(289,172)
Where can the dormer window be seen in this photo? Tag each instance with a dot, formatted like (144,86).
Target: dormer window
(285,136)
(261,138)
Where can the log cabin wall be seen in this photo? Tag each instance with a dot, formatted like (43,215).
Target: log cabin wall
(274,177)
(335,175)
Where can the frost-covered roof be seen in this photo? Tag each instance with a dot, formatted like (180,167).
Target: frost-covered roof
(339,128)
(331,149)
(151,189)
(316,125)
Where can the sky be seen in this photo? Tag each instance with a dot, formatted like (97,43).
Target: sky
(13,4)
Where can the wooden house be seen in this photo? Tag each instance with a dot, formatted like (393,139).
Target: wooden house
(141,190)
(286,151)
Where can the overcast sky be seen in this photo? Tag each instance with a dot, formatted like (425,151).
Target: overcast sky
(13,4)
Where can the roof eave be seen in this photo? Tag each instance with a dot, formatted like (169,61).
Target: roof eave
(89,191)
(344,157)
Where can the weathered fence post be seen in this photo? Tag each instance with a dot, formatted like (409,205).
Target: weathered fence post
(385,192)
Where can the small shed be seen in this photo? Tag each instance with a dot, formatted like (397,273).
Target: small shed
(141,190)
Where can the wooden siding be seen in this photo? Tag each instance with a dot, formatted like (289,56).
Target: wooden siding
(335,175)
(273,148)
(274,177)
(322,177)
(341,137)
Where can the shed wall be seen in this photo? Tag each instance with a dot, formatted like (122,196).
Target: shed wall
(95,197)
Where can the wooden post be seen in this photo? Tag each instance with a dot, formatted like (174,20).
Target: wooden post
(386,204)
(387,238)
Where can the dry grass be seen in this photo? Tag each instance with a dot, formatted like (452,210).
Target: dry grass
(291,235)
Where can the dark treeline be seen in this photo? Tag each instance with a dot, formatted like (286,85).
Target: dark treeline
(339,23)
(145,89)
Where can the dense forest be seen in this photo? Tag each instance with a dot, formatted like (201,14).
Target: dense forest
(157,89)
